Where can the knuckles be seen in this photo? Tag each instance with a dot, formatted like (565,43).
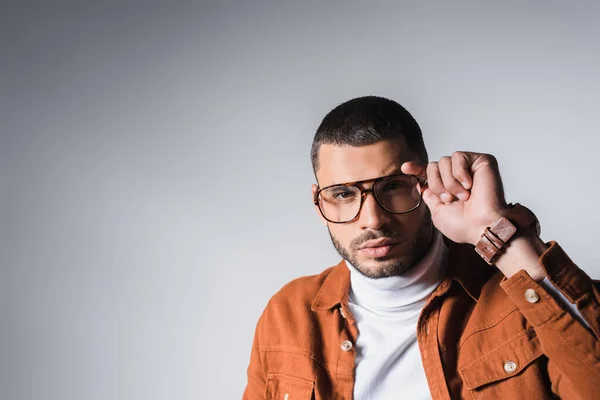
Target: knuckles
(464,157)
(445,160)
(458,161)
(491,159)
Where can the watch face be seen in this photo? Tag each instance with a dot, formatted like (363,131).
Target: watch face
(533,221)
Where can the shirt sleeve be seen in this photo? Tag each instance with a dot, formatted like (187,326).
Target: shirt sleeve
(565,313)
(255,387)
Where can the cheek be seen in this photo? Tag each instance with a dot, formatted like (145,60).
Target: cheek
(342,234)
(413,221)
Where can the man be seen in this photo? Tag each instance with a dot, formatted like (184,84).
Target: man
(445,291)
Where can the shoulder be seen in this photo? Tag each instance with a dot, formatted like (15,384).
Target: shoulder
(298,293)
(290,315)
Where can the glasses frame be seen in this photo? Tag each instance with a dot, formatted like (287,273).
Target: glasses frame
(364,192)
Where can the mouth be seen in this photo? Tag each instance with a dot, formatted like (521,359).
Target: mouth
(378,248)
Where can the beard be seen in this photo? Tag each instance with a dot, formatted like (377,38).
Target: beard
(388,266)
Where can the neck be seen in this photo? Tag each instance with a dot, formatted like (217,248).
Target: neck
(411,289)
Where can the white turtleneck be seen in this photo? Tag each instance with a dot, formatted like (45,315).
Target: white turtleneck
(388,361)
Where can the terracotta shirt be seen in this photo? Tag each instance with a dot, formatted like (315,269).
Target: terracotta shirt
(481,336)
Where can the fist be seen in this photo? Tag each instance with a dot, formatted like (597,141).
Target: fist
(464,193)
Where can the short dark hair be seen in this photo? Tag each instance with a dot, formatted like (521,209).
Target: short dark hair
(366,120)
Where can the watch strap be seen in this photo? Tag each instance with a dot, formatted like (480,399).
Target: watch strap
(495,238)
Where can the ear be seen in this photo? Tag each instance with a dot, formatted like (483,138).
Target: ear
(314,190)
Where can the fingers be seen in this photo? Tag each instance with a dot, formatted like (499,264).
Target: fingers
(449,179)
(435,183)
(450,173)
(460,169)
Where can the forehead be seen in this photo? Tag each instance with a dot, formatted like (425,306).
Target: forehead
(339,164)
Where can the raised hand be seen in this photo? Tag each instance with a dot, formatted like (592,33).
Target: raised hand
(464,193)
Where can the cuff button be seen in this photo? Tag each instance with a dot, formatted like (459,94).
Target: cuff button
(346,345)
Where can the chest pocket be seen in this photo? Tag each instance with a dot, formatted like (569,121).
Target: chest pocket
(285,387)
(506,361)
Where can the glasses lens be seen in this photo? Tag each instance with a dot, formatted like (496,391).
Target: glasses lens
(340,203)
(398,193)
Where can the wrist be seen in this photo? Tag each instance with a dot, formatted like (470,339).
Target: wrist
(523,253)
(516,222)
(488,221)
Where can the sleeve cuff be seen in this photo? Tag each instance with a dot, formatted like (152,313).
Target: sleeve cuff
(531,298)
(564,284)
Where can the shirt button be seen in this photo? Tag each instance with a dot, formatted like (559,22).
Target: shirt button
(532,296)
(510,366)
(346,345)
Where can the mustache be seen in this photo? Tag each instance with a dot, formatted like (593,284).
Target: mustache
(372,235)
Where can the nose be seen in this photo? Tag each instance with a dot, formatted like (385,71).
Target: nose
(372,215)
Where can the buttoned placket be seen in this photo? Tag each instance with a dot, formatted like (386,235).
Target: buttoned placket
(427,328)
(346,354)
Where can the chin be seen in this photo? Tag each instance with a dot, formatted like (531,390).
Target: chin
(389,260)
(384,267)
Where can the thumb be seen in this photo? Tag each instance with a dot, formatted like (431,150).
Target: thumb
(414,168)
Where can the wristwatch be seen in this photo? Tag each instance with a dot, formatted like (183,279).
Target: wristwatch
(494,240)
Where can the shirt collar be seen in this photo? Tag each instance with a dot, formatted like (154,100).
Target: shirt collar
(334,290)
(467,268)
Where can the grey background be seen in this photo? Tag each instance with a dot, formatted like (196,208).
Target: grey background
(155,175)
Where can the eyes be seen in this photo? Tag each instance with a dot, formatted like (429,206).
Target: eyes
(345,194)
(395,186)
(397,194)
(389,187)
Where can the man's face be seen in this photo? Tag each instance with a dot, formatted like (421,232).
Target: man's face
(407,236)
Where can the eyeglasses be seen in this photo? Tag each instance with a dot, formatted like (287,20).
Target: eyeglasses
(397,194)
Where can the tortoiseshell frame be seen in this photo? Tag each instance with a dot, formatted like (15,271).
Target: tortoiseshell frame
(363,195)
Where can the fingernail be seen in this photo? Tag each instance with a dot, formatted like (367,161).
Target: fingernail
(464,184)
(445,197)
(462,196)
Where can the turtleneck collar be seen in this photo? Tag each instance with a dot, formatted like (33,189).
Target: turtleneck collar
(411,289)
